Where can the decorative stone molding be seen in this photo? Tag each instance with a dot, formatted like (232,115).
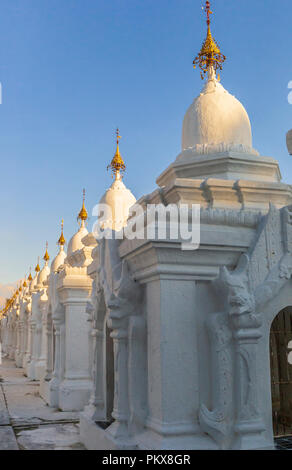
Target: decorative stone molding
(218,422)
(253,194)
(248,290)
(229,217)
(211,149)
(221,193)
(228,165)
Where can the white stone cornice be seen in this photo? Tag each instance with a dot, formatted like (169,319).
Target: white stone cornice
(222,193)
(226,165)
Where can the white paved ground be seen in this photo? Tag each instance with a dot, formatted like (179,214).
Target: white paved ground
(26,422)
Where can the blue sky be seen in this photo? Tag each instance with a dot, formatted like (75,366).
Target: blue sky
(73,70)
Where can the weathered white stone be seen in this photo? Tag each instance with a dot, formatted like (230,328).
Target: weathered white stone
(216,118)
(7,439)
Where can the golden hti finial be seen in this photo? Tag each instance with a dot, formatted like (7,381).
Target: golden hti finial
(62,241)
(210,54)
(46,256)
(24,283)
(83,216)
(117,164)
(30,276)
(37,268)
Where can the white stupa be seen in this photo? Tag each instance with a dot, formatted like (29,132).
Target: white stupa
(118,199)
(216,121)
(217,135)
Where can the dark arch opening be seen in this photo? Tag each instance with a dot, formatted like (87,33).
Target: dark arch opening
(281,372)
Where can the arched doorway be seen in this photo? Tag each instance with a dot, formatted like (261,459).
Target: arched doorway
(281,372)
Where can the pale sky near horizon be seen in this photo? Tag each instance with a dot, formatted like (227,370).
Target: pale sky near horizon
(73,70)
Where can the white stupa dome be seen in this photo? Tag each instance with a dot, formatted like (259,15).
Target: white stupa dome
(75,242)
(58,260)
(216,120)
(33,283)
(117,200)
(43,275)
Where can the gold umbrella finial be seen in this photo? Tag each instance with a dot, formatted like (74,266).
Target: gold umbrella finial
(30,276)
(83,216)
(117,164)
(46,256)
(62,241)
(37,268)
(210,55)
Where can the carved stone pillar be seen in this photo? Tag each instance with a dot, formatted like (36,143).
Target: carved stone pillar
(74,392)
(42,331)
(27,355)
(33,350)
(57,374)
(25,338)
(245,322)
(119,429)
(96,409)
(218,421)
(50,347)
(249,425)
(19,335)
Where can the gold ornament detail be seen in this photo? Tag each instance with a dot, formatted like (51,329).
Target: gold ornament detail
(37,268)
(83,212)
(210,54)
(117,164)
(62,240)
(46,256)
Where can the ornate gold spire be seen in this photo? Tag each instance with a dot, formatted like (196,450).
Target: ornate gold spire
(83,213)
(24,284)
(117,164)
(46,256)
(29,277)
(210,54)
(62,241)
(37,268)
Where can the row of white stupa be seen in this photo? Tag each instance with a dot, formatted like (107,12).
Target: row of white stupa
(215,122)
(146,385)
(118,199)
